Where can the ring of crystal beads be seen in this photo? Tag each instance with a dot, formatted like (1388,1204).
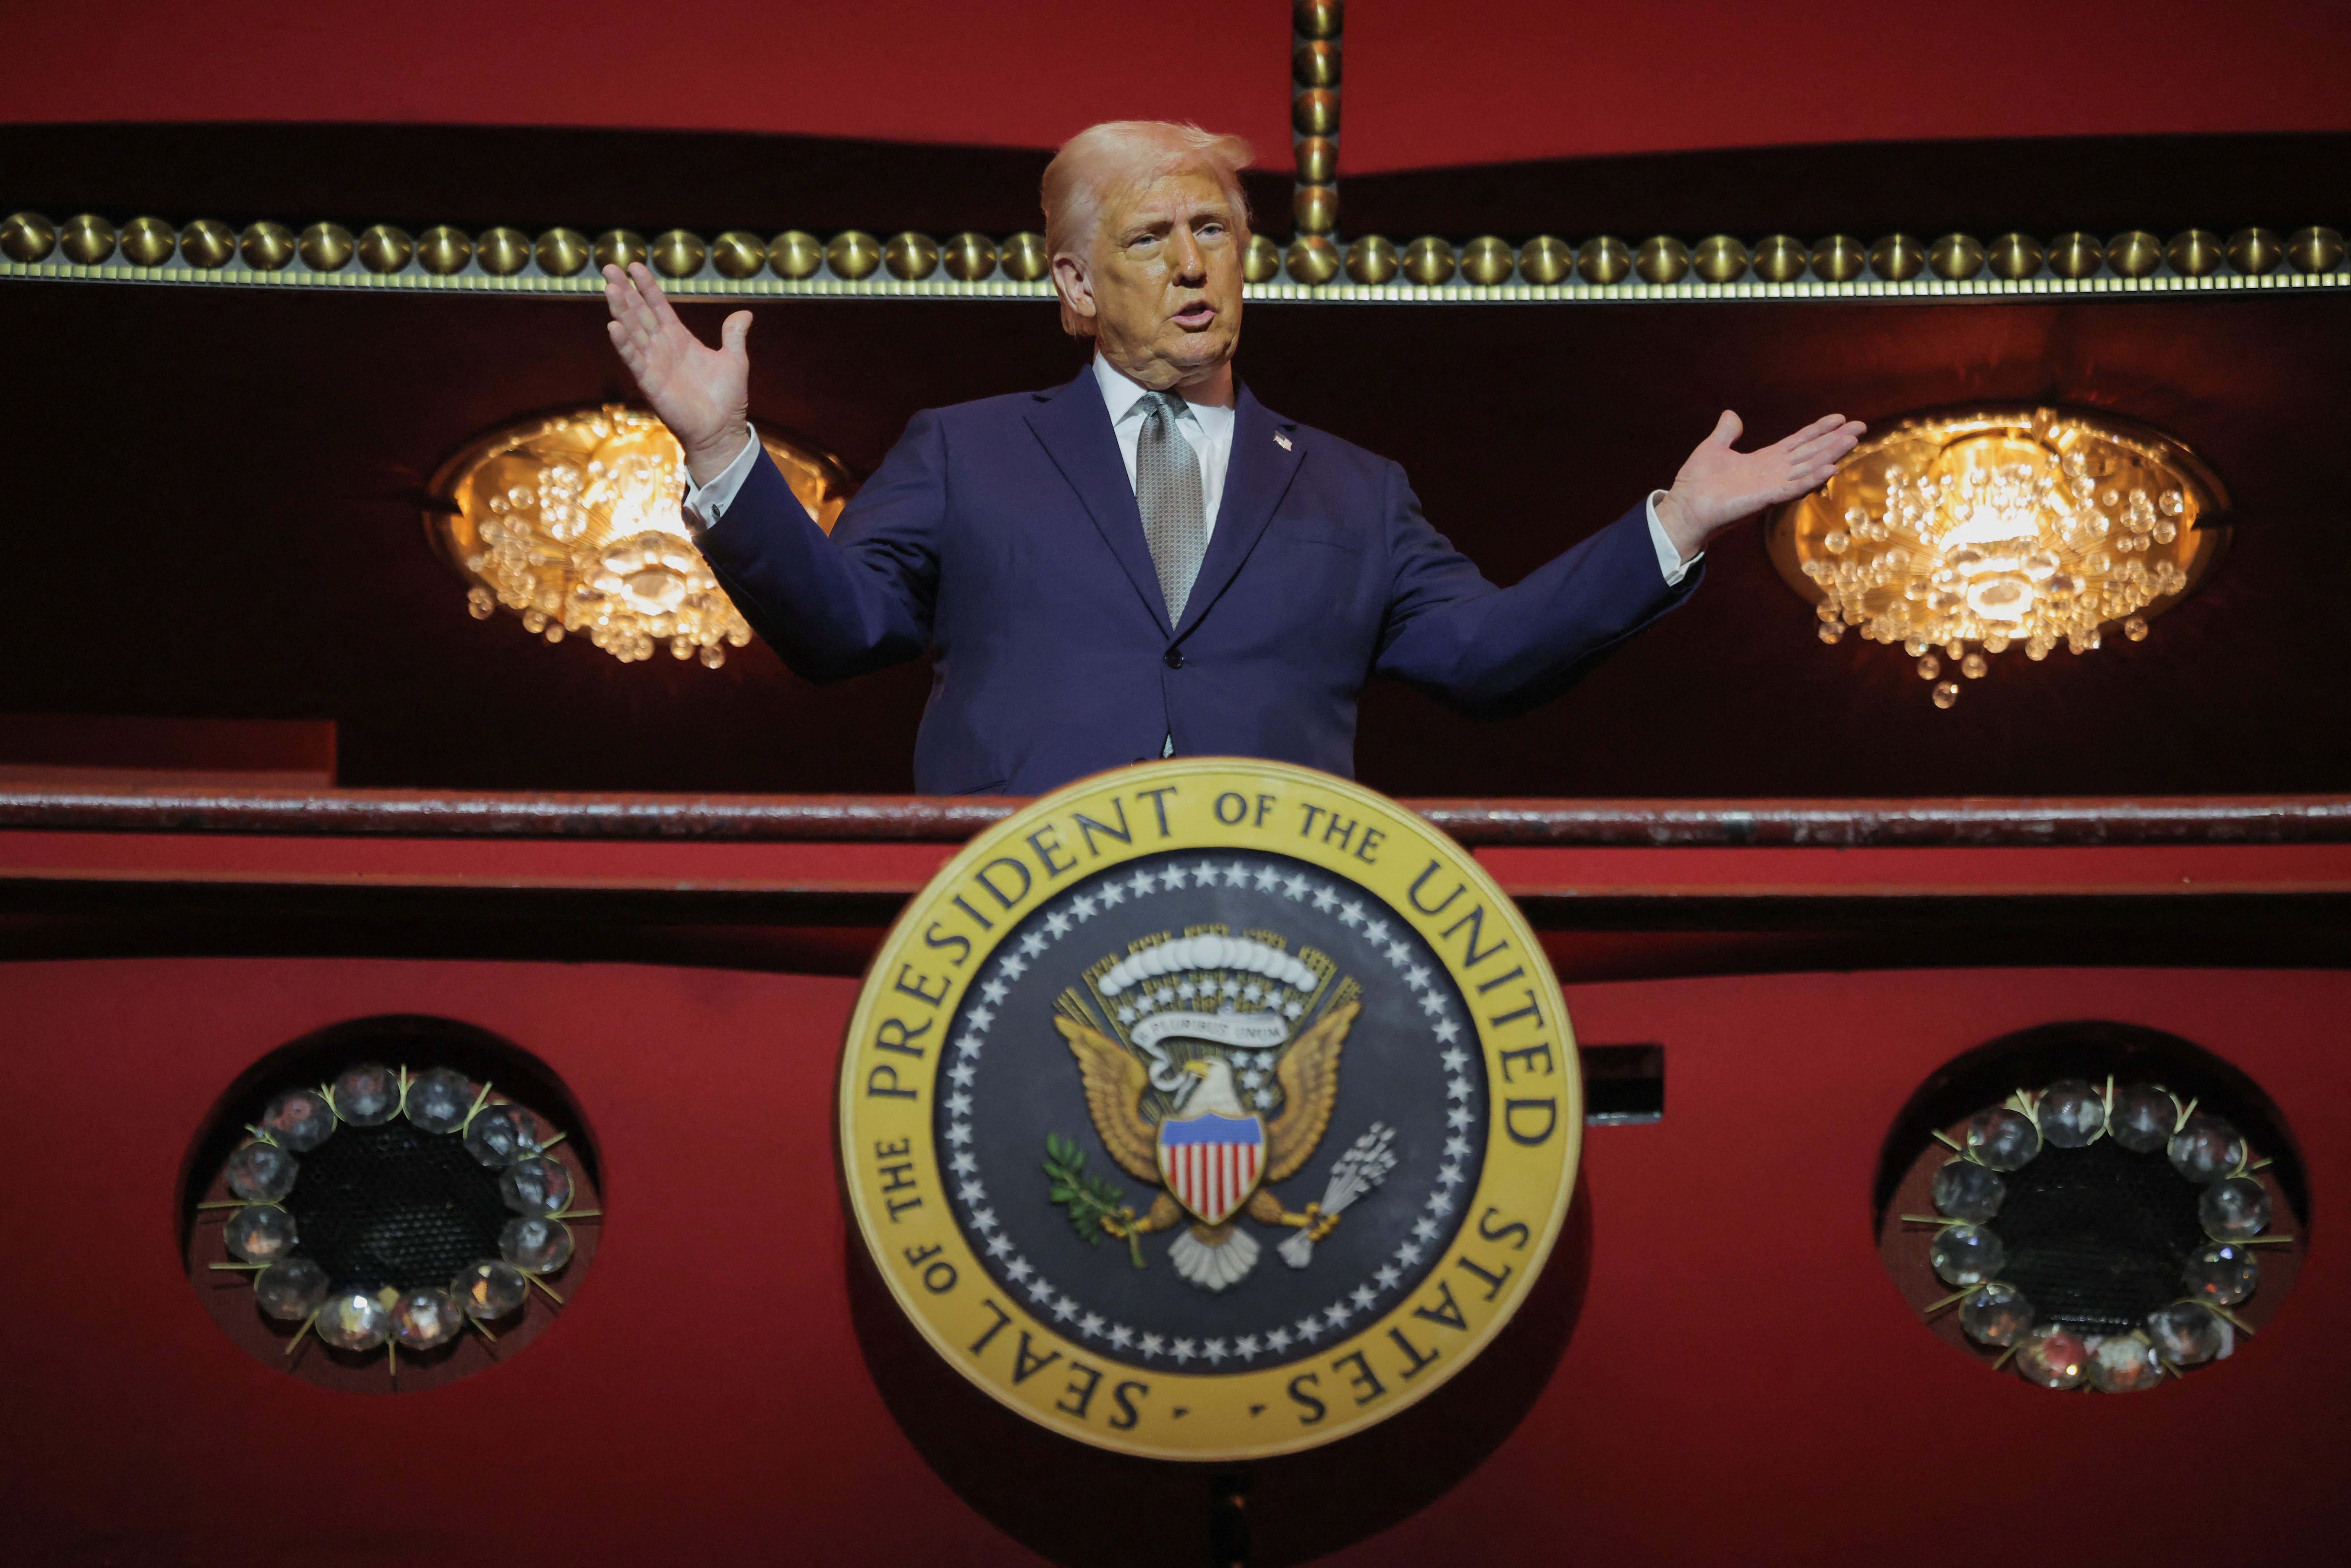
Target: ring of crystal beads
(503,1137)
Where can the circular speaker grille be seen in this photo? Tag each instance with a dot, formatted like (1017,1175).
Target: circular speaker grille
(395,1206)
(2092,1243)
(390,1208)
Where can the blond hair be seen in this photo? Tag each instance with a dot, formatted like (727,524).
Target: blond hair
(1121,153)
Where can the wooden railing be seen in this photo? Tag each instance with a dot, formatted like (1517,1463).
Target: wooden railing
(1856,823)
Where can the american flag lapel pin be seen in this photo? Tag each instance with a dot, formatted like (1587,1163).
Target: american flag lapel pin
(1282,439)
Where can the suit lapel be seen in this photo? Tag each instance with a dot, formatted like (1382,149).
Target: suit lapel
(1074,428)
(1264,460)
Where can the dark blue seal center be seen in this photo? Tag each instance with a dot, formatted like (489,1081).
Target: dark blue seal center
(1205,972)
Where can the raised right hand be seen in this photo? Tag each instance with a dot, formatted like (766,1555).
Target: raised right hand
(702,394)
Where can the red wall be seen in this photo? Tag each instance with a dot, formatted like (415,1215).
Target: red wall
(1743,1379)
(1425,84)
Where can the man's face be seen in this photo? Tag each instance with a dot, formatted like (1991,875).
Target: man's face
(1164,280)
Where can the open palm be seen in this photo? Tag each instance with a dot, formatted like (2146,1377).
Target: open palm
(701,393)
(1718,485)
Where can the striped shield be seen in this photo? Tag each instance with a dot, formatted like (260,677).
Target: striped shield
(1211,1163)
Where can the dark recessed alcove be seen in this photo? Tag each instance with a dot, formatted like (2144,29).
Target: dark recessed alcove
(255,549)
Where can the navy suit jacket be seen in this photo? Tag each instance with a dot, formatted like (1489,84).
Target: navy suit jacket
(1002,538)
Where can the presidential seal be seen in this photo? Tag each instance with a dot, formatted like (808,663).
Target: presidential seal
(1210,1109)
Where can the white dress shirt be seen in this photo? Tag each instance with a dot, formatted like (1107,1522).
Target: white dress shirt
(1208,429)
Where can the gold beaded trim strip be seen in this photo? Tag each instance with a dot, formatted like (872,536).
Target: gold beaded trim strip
(1316,47)
(1314,267)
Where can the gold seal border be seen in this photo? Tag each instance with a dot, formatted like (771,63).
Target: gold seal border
(897,1042)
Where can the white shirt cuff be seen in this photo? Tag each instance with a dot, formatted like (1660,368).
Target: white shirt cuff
(1669,558)
(705,503)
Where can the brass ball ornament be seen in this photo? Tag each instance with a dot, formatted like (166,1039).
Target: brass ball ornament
(2076,255)
(910,257)
(266,247)
(1780,258)
(2314,250)
(623,248)
(1314,209)
(27,238)
(1318,18)
(326,248)
(1719,259)
(2013,256)
(563,253)
(1604,259)
(1260,260)
(795,254)
(1428,261)
(86,240)
(502,251)
(1315,64)
(1840,258)
(2135,254)
(208,243)
(678,253)
(1312,259)
(738,254)
(1315,112)
(383,248)
(853,253)
(1546,259)
(2195,252)
(1024,258)
(1898,258)
(1373,260)
(442,250)
(968,257)
(1956,258)
(2256,251)
(1488,261)
(148,242)
(1315,160)
(1661,260)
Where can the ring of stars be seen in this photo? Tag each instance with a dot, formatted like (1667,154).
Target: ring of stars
(1428,1230)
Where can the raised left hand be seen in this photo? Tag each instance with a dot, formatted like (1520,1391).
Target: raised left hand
(1718,486)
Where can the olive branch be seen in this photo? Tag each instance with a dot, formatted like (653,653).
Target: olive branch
(1097,1206)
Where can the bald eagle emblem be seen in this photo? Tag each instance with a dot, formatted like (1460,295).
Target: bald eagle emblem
(1211,1070)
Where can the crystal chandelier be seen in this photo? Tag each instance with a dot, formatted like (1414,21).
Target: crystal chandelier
(572,523)
(1961,536)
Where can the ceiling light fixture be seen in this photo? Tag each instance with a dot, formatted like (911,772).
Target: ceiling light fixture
(572,523)
(1958,536)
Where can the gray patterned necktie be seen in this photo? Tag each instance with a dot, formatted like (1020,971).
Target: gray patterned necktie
(1167,490)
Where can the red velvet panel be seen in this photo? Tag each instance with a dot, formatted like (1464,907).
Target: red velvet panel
(1743,1380)
(1423,85)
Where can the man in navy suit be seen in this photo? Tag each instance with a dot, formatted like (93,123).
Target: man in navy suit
(1147,561)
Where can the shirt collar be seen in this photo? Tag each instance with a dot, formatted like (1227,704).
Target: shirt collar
(1121,394)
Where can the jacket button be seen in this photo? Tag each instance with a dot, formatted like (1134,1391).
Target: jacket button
(1175,658)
